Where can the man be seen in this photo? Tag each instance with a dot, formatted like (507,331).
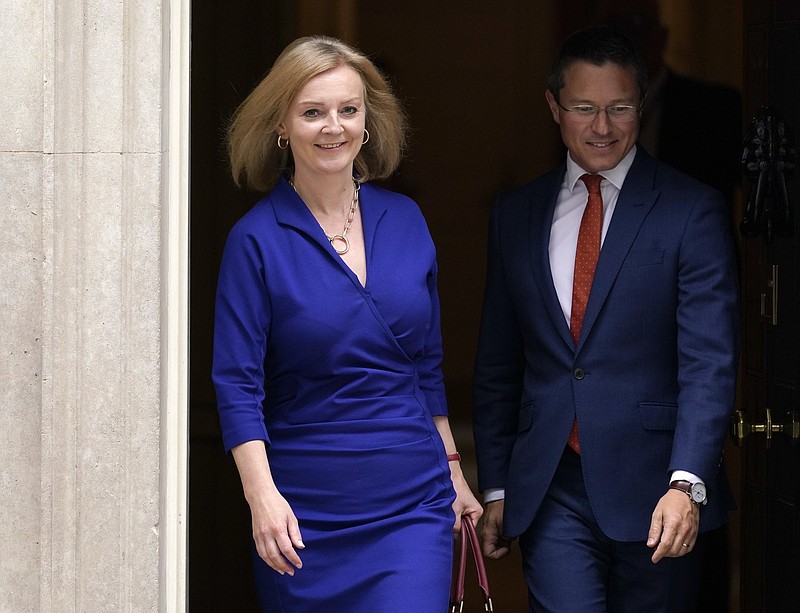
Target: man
(640,376)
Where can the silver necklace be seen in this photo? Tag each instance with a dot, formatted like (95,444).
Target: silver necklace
(342,238)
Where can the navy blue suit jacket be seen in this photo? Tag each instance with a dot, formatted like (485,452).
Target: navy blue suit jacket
(652,380)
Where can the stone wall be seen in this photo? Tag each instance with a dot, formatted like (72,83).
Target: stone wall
(82,302)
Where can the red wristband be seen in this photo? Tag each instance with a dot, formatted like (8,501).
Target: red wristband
(454,457)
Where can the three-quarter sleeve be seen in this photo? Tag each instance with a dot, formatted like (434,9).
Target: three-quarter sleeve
(241,327)
(431,379)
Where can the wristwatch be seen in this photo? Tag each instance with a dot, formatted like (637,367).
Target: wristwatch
(695,491)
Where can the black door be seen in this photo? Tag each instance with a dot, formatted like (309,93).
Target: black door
(767,424)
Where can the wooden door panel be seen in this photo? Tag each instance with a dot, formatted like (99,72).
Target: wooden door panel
(770,564)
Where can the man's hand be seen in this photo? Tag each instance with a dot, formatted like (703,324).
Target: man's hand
(674,526)
(494,545)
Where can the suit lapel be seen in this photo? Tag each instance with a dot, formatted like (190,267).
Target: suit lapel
(542,207)
(633,205)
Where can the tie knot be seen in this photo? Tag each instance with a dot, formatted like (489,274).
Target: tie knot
(592,182)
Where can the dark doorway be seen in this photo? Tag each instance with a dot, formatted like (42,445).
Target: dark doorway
(230,52)
(472,77)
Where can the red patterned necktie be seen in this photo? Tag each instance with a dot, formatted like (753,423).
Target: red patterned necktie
(586,254)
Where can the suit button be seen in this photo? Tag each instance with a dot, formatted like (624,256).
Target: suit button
(578,373)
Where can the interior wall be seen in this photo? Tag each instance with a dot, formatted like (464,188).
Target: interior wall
(705,39)
(472,76)
(472,79)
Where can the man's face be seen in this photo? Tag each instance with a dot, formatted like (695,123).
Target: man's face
(596,143)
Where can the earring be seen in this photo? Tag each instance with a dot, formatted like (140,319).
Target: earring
(366,137)
(279,142)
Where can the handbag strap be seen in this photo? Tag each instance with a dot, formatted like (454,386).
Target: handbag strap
(469,540)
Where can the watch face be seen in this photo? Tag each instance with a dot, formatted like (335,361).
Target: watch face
(698,492)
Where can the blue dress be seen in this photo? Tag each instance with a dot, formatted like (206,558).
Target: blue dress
(341,381)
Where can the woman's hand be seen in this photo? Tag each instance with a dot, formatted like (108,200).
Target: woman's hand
(465,502)
(275,528)
(275,531)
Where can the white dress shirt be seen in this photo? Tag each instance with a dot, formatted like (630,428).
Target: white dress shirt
(567,216)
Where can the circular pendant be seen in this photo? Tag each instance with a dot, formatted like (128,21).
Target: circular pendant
(340,238)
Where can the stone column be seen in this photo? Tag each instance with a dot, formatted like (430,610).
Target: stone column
(85,291)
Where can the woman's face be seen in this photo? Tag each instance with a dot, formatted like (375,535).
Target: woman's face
(325,123)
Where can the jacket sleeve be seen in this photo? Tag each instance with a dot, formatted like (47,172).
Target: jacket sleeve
(708,326)
(499,367)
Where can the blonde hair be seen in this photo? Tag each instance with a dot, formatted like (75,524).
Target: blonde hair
(256,160)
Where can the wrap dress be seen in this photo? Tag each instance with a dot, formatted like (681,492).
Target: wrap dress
(341,381)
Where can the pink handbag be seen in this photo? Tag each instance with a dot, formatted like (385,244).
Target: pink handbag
(469,540)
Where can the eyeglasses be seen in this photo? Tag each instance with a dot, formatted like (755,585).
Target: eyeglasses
(615,112)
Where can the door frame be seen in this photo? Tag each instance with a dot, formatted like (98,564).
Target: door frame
(174,430)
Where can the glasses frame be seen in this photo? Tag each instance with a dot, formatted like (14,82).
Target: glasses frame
(597,109)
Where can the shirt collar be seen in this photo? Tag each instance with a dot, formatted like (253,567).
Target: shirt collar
(615,176)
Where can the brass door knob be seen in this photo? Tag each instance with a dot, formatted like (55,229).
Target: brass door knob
(741,428)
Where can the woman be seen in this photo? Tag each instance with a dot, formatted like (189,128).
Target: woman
(327,349)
